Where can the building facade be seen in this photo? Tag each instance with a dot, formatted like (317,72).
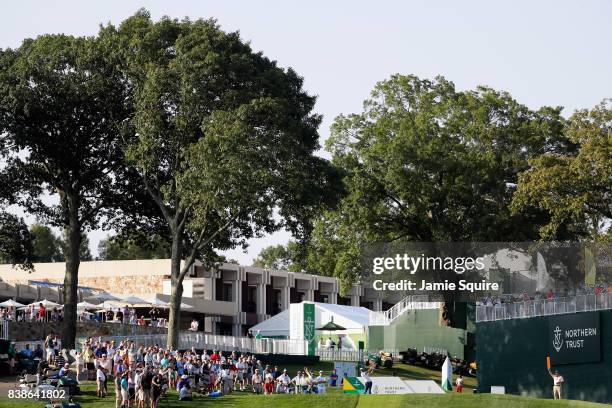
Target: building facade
(229,298)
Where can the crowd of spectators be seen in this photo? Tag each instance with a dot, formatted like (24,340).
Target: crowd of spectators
(582,289)
(139,376)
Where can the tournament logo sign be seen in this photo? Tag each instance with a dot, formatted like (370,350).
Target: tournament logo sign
(309,327)
(352,385)
(575,338)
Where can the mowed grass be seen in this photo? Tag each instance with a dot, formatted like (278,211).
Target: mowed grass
(333,399)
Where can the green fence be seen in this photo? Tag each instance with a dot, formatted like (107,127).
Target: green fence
(513,353)
(420,329)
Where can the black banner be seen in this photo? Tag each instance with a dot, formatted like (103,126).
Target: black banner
(575,338)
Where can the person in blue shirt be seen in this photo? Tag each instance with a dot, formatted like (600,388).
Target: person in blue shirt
(27,351)
(100,350)
(182,382)
(333,378)
(64,370)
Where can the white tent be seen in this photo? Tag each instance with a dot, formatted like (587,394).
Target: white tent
(104,297)
(86,305)
(277,325)
(157,302)
(134,300)
(46,303)
(354,319)
(11,303)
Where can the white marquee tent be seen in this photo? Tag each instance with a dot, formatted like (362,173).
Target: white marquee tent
(354,319)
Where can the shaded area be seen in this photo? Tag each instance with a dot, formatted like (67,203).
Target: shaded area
(513,353)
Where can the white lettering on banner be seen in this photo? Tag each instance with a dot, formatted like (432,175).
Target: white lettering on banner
(581,332)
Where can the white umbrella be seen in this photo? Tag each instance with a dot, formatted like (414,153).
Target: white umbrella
(104,297)
(135,300)
(157,302)
(185,306)
(86,305)
(11,303)
(46,303)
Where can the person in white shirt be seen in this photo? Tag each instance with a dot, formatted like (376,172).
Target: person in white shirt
(105,363)
(194,325)
(257,382)
(137,396)
(299,382)
(101,382)
(321,382)
(282,383)
(240,374)
(368,380)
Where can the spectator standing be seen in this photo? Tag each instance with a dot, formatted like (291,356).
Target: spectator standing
(101,382)
(333,378)
(257,381)
(42,312)
(459,384)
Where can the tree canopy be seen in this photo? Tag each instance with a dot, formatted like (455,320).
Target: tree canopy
(283,257)
(424,162)
(133,247)
(574,189)
(221,139)
(62,104)
(15,241)
(47,246)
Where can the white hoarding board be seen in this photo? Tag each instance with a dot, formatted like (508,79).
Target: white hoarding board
(388,385)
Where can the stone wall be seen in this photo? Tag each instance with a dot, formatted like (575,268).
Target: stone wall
(21,331)
(125,284)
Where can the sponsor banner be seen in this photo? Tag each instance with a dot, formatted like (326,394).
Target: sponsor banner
(388,385)
(352,385)
(575,338)
(309,327)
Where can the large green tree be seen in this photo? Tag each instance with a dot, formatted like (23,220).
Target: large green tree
(61,106)
(15,241)
(133,247)
(284,257)
(425,162)
(47,246)
(575,189)
(221,139)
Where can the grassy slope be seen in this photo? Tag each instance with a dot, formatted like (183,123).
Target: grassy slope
(333,399)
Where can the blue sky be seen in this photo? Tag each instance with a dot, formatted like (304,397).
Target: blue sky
(543,52)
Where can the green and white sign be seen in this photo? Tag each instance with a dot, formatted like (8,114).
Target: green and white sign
(309,327)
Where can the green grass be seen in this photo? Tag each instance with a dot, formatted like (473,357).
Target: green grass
(333,399)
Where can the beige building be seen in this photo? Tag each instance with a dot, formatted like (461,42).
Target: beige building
(228,299)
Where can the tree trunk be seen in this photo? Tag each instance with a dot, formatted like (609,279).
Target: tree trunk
(71,278)
(176,285)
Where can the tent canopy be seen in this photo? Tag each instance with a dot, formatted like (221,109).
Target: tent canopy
(331,326)
(11,303)
(349,318)
(46,303)
(134,300)
(86,305)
